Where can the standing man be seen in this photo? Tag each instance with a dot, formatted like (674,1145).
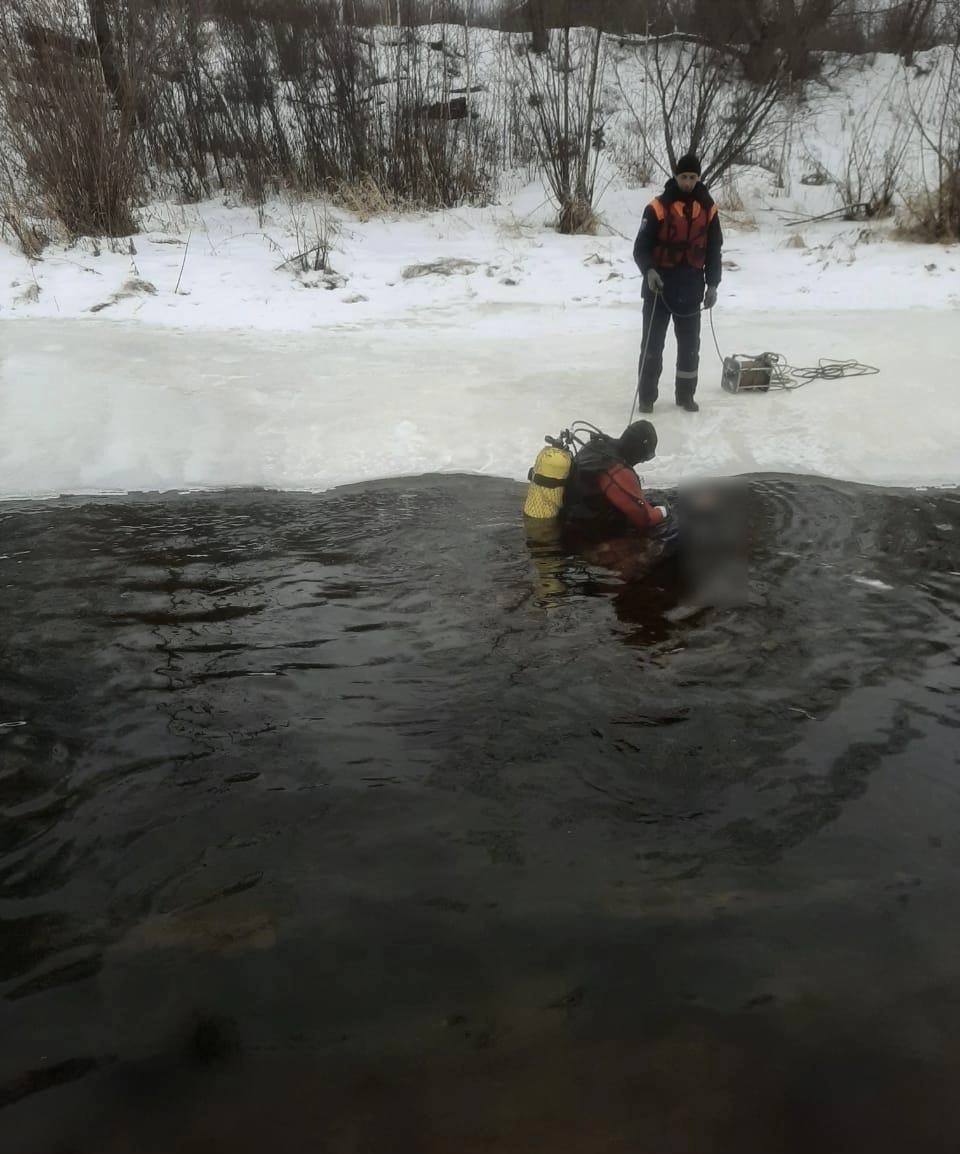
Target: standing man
(678,251)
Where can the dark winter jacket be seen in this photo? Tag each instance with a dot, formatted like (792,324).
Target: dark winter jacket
(683,284)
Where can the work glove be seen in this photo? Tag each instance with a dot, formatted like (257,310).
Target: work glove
(654,281)
(710,299)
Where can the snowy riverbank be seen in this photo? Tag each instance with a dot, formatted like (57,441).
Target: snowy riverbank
(94,407)
(455,341)
(201,353)
(225,259)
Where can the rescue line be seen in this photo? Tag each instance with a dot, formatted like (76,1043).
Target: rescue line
(762,372)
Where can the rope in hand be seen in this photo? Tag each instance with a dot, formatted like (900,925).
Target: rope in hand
(643,359)
(659,295)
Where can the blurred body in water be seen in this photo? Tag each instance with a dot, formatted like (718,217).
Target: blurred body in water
(696,556)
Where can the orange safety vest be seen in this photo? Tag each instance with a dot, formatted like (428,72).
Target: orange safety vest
(682,239)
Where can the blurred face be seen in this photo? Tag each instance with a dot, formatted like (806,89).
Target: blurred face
(687,181)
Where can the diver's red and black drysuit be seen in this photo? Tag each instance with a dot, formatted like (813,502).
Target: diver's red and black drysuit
(603,493)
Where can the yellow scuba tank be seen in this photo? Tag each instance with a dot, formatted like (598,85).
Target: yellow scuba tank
(548,478)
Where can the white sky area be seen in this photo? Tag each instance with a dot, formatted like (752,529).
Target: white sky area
(113,379)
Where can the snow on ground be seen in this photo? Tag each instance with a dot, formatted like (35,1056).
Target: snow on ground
(249,376)
(509,256)
(199,355)
(90,407)
(254,379)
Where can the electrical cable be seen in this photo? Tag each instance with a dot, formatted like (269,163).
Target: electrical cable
(783,376)
(786,376)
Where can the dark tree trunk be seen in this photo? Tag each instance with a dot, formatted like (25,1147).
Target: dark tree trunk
(539,34)
(106,48)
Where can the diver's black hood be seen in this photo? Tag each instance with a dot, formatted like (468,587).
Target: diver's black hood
(638,442)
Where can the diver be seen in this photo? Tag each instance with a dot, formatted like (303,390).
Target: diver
(585,498)
(603,495)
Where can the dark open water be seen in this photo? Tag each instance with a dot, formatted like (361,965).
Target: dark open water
(352,824)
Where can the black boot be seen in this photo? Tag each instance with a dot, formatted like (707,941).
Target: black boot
(646,406)
(689,405)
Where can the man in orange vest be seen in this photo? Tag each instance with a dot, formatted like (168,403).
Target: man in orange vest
(678,251)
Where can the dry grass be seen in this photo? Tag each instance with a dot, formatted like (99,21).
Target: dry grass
(728,197)
(366,199)
(513,227)
(31,237)
(742,221)
(932,216)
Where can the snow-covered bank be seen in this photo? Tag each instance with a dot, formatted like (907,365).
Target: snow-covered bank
(92,407)
(214,266)
(200,353)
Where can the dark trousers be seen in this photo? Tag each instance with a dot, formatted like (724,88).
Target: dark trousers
(656,321)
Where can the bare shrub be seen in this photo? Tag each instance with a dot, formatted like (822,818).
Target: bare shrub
(933,211)
(428,156)
(306,100)
(30,236)
(181,96)
(803,28)
(725,80)
(619,17)
(845,33)
(730,198)
(630,151)
(173,43)
(259,96)
(562,89)
(72,136)
(703,100)
(250,103)
(314,232)
(908,27)
(415,13)
(873,158)
(933,215)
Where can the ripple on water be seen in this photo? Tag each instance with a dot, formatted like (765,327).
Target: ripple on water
(375,782)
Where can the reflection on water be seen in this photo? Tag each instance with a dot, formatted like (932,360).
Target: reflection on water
(369,822)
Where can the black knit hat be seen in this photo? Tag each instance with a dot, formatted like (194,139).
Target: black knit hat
(689,162)
(638,442)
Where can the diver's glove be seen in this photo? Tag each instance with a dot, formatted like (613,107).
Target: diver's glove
(710,299)
(654,281)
